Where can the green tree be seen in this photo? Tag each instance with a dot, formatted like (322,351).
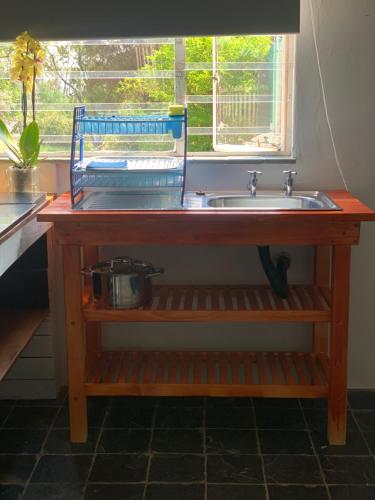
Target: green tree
(60,90)
(9,93)
(199,82)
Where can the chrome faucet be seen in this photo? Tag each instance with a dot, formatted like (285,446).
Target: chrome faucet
(252,185)
(288,182)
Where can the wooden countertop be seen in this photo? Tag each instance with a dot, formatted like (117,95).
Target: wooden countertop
(19,237)
(353,210)
(22,222)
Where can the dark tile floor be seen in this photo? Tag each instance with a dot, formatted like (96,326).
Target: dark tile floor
(186,449)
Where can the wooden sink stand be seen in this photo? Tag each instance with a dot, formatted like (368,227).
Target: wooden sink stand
(321,373)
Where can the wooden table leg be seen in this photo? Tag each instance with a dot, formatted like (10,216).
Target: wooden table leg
(322,278)
(93,330)
(337,393)
(75,337)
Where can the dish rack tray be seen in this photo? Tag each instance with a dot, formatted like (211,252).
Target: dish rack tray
(142,172)
(133,172)
(132,125)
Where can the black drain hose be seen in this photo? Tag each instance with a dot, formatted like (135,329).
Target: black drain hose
(276,274)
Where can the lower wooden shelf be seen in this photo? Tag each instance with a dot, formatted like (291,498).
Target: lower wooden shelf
(17,328)
(265,374)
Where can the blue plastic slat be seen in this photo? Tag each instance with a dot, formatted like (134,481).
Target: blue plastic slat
(131,125)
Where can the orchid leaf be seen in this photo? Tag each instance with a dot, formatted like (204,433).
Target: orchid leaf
(12,157)
(34,157)
(11,149)
(26,154)
(13,152)
(5,135)
(29,143)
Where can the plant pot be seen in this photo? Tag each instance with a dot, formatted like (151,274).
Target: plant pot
(23,180)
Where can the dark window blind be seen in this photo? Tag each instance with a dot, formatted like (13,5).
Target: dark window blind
(111,19)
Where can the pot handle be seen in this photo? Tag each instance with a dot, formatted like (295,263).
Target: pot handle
(154,271)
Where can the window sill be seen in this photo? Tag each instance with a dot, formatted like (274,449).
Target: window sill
(241,160)
(209,160)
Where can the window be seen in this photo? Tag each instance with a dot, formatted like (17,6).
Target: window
(238,90)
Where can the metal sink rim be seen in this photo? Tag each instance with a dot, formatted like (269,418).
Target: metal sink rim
(194,201)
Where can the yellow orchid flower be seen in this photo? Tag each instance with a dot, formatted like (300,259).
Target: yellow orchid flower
(26,65)
(22,41)
(34,46)
(22,69)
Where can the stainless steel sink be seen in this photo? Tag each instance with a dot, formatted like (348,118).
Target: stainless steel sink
(266,200)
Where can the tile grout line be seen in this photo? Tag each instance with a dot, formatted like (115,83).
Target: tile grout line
(94,454)
(205,450)
(41,452)
(150,453)
(372,455)
(359,429)
(12,407)
(315,452)
(260,450)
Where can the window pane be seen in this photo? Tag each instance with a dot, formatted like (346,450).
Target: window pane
(234,87)
(247,93)
(109,77)
(199,85)
(10,109)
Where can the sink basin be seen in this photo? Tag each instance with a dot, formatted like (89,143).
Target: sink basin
(302,200)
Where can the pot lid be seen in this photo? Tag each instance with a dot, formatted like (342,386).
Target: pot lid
(122,265)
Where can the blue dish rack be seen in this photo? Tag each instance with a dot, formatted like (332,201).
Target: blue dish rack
(138,175)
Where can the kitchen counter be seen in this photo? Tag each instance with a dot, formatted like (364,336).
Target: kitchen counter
(352,210)
(16,209)
(209,226)
(21,231)
(321,373)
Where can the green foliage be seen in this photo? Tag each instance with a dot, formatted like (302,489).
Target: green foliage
(9,143)
(24,154)
(151,89)
(30,145)
(199,82)
(59,88)
(242,49)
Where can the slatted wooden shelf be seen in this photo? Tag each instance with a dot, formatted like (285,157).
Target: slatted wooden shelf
(272,374)
(17,328)
(258,303)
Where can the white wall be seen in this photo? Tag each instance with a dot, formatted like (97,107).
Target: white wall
(346,40)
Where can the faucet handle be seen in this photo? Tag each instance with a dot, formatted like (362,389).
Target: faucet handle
(252,185)
(254,173)
(288,181)
(289,173)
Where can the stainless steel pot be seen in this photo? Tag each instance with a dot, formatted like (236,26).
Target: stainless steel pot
(122,283)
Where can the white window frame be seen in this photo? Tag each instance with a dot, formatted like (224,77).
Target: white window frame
(287,111)
(287,149)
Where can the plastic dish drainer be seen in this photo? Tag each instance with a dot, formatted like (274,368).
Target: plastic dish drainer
(130,182)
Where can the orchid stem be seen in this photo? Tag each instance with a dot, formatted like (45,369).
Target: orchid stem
(24,105)
(33,92)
